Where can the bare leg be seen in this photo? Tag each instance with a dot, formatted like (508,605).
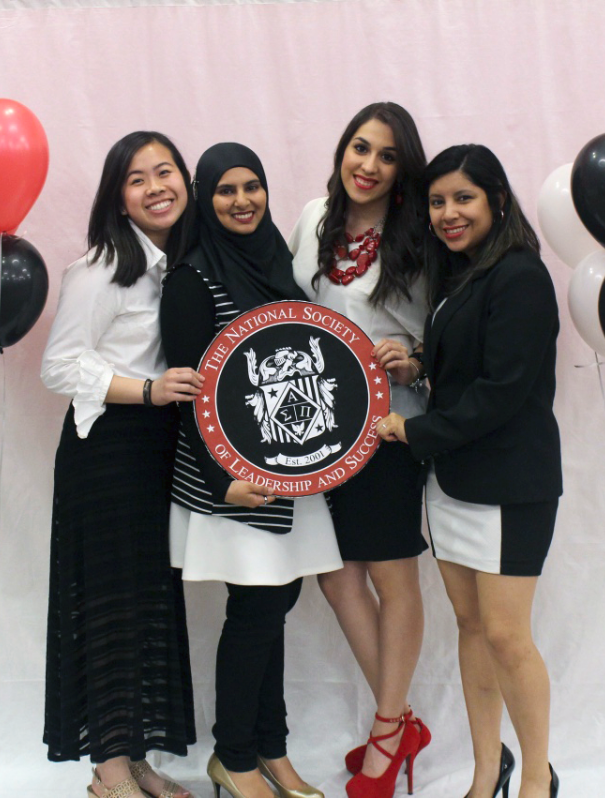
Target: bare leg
(505,606)
(479,682)
(356,610)
(112,772)
(401,625)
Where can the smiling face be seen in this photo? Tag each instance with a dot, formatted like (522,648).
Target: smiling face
(154,194)
(239,200)
(460,212)
(369,166)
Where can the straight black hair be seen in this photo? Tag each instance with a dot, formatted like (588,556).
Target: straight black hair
(109,230)
(510,228)
(400,254)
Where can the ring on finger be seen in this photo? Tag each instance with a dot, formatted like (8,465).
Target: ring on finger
(265,498)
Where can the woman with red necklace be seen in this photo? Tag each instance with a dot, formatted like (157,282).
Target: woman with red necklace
(356,252)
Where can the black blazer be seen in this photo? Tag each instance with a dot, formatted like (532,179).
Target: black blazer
(490,355)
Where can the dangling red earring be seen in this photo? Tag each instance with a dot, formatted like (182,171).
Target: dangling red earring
(398,199)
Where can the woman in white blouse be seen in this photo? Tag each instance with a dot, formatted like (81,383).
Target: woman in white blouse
(118,676)
(356,252)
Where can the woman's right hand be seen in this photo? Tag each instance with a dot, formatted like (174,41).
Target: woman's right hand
(247,494)
(176,385)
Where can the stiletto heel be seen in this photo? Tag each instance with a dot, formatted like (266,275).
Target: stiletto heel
(554,782)
(362,786)
(507,765)
(220,777)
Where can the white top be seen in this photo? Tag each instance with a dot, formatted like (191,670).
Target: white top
(208,547)
(103,329)
(398,319)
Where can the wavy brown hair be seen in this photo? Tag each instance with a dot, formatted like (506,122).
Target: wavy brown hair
(400,251)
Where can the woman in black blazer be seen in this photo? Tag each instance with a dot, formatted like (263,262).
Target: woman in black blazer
(491,446)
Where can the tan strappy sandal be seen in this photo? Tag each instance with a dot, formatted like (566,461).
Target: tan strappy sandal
(170,789)
(125,789)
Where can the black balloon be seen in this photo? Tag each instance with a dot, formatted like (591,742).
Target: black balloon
(23,291)
(588,187)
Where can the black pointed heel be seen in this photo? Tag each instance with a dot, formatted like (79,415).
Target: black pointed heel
(507,765)
(554,782)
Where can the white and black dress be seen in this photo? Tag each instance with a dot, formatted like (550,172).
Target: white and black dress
(368,529)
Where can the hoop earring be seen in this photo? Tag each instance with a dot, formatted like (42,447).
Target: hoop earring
(194,189)
(431,230)
(501,215)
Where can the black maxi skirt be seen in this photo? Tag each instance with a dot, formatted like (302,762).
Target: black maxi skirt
(118,678)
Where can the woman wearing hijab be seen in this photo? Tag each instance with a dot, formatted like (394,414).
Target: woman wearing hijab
(225,529)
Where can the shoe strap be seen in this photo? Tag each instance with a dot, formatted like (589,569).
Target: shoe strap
(139,769)
(400,719)
(125,789)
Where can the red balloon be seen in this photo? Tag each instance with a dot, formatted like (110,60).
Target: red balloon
(23,162)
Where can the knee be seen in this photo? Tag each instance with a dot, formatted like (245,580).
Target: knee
(469,622)
(342,589)
(508,645)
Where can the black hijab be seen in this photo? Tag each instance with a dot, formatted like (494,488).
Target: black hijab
(255,268)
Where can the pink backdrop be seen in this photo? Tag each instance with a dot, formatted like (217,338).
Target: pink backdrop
(524,78)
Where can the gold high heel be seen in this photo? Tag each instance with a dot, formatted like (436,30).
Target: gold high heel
(170,789)
(220,777)
(284,792)
(125,789)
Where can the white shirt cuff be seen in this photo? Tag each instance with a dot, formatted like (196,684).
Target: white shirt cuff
(94,380)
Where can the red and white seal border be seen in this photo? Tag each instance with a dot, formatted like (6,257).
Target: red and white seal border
(231,338)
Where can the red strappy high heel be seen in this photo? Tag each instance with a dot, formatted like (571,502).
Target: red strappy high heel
(354,759)
(362,786)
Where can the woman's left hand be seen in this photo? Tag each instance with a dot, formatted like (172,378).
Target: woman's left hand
(392,428)
(393,356)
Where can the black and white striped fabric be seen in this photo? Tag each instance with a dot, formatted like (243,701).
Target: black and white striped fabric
(188,487)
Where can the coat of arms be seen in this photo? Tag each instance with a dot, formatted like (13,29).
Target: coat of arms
(293,401)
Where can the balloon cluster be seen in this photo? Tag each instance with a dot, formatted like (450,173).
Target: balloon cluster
(23,168)
(571,211)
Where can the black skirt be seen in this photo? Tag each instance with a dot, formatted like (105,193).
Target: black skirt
(118,679)
(377,514)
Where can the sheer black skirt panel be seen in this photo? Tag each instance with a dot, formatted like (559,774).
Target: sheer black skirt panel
(118,678)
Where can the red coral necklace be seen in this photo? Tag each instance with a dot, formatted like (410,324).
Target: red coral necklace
(362,256)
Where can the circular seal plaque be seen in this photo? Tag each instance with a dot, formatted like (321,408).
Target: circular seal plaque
(290,399)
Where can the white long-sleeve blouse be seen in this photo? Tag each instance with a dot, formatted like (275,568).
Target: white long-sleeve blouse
(103,329)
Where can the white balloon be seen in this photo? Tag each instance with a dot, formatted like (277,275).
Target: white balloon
(559,221)
(583,299)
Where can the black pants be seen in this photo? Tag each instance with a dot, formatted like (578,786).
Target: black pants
(250,706)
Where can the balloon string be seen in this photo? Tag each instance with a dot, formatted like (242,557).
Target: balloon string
(1,236)
(598,363)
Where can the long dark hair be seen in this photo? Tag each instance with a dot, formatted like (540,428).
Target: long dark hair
(510,228)
(109,230)
(400,259)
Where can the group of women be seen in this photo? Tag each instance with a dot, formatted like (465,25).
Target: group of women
(439,266)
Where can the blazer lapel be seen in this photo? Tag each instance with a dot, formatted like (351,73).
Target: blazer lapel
(437,323)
